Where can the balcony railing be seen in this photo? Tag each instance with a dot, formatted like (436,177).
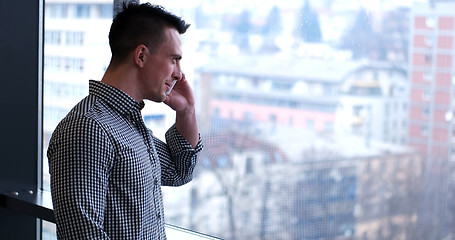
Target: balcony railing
(38,203)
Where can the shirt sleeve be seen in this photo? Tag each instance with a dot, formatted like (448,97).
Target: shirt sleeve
(80,157)
(177,158)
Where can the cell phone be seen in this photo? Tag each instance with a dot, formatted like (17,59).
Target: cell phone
(172,86)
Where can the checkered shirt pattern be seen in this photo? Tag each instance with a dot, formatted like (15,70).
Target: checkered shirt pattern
(107,169)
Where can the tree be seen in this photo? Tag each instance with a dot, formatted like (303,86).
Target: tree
(389,43)
(359,38)
(308,27)
(395,35)
(272,28)
(273,25)
(242,30)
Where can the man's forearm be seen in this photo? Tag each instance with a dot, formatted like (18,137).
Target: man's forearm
(186,125)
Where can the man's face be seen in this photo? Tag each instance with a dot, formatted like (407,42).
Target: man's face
(162,67)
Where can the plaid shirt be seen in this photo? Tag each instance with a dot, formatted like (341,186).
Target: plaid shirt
(107,169)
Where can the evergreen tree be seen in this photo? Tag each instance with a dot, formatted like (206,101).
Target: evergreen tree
(360,38)
(243,26)
(308,27)
(273,24)
(394,35)
(242,30)
(272,28)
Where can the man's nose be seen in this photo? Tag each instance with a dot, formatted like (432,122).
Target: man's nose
(177,75)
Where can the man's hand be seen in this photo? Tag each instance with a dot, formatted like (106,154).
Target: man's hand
(181,99)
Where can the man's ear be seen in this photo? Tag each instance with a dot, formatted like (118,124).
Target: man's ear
(140,55)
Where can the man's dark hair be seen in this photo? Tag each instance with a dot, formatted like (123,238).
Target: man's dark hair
(140,24)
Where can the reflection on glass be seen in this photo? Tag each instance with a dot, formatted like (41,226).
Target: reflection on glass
(321,119)
(48,231)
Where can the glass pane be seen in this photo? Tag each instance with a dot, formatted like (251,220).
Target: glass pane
(322,119)
(48,231)
(326,119)
(76,50)
(172,233)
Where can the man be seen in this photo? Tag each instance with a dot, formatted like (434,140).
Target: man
(106,167)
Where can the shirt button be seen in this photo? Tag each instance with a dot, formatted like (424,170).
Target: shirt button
(158,215)
(155,181)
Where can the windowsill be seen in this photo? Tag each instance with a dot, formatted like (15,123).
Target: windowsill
(38,203)
(26,200)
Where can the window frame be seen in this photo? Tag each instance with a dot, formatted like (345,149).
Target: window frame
(21,62)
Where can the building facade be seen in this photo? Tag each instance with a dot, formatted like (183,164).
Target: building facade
(431,67)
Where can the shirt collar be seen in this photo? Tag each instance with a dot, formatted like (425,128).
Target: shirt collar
(115,98)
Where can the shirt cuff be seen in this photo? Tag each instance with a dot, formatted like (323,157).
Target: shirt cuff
(178,143)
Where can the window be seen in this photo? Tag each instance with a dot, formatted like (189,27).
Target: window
(309,123)
(105,11)
(74,38)
(428,58)
(429,40)
(57,11)
(53,37)
(249,165)
(426,111)
(426,95)
(424,130)
(431,22)
(268,77)
(222,162)
(427,76)
(82,11)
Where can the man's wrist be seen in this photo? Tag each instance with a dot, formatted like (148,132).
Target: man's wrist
(190,110)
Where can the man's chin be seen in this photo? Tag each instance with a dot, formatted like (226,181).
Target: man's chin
(163,97)
(158,99)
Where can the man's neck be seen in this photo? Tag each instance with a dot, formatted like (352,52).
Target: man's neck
(122,78)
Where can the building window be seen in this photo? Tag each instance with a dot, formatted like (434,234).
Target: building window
(428,58)
(272,118)
(329,126)
(75,38)
(248,116)
(430,22)
(53,37)
(56,11)
(426,94)
(426,111)
(309,123)
(249,166)
(222,162)
(424,130)
(429,40)
(427,76)
(82,11)
(105,11)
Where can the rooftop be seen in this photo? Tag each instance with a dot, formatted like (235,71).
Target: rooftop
(282,67)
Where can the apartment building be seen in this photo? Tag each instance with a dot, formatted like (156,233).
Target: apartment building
(373,103)
(432,68)
(298,92)
(431,123)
